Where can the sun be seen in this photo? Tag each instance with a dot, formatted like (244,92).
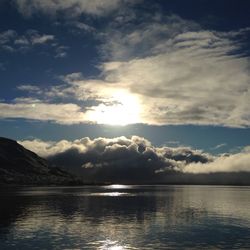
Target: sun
(122,109)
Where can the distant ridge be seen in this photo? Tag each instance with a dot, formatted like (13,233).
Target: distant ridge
(20,166)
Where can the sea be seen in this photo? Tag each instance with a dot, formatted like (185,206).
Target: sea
(119,217)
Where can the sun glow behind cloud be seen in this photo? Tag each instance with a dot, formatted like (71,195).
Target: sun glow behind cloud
(156,71)
(123,109)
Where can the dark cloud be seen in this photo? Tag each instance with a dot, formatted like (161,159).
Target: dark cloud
(136,160)
(119,159)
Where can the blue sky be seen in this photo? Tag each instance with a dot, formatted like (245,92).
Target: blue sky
(174,72)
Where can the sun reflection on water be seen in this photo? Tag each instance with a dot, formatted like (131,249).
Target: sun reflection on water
(112,194)
(118,186)
(111,245)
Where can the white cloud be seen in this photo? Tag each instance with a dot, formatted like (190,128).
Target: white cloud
(183,74)
(83,26)
(219,146)
(34,109)
(41,39)
(46,148)
(11,41)
(22,40)
(180,87)
(230,163)
(29,88)
(72,7)
(6,37)
(123,42)
(61,51)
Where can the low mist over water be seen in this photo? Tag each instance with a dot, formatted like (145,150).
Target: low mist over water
(125,217)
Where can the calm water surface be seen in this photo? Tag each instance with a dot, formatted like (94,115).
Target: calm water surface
(125,217)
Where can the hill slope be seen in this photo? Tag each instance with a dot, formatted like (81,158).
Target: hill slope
(19,165)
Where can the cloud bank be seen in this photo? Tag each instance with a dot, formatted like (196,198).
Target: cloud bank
(135,159)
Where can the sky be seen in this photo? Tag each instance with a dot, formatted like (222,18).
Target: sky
(174,73)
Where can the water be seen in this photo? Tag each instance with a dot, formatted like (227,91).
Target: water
(125,217)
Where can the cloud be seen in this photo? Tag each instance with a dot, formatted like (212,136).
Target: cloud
(129,39)
(136,159)
(83,101)
(180,75)
(6,36)
(118,157)
(219,146)
(229,163)
(178,72)
(34,109)
(28,88)
(42,39)
(71,7)
(183,74)
(11,41)
(83,26)
(22,40)
(34,38)
(61,51)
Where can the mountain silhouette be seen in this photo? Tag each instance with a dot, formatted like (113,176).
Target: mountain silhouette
(21,166)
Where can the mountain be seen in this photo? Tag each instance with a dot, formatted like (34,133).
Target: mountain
(21,166)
